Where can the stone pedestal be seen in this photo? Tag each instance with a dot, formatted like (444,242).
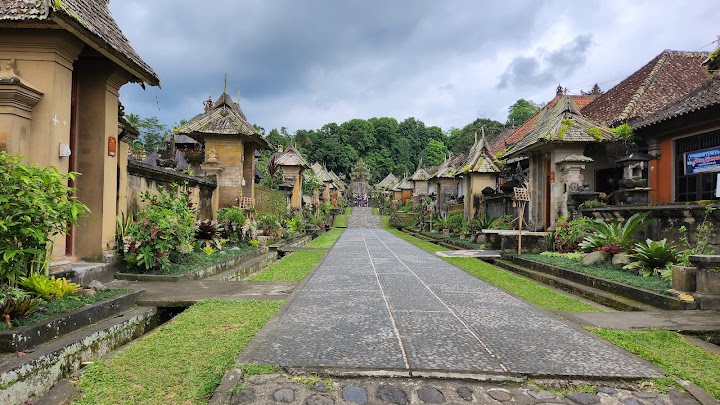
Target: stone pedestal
(684,278)
(708,280)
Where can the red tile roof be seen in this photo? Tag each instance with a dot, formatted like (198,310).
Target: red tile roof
(704,97)
(664,80)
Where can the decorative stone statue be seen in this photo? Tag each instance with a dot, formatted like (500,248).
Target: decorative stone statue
(212,156)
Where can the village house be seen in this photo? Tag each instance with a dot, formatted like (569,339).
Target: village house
(230,143)
(62,65)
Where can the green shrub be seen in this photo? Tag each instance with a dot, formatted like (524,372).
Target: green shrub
(613,236)
(454,222)
(16,304)
(569,234)
(566,255)
(49,287)
(503,222)
(269,224)
(234,223)
(652,256)
(165,227)
(35,205)
(705,231)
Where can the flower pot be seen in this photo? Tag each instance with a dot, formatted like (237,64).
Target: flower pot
(683,278)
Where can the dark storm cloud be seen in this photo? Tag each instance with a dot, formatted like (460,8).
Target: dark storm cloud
(270,48)
(546,67)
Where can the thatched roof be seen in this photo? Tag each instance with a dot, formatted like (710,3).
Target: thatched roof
(291,157)
(388,182)
(420,175)
(224,118)
(405,184)
(449,168)
(479,159)
(563,123)
(88,20)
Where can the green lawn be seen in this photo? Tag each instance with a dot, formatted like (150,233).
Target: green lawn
(340,221)
(539,295)
(376,211)
(326,240)
(182,361)
(606,271)
(293,267)
(670,351)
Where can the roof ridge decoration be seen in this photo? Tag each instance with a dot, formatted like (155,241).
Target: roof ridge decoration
(479,159)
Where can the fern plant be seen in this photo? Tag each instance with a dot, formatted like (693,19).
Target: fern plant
(652,257)
(613,234)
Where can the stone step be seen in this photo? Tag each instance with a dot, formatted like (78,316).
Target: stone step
(246,268)
(593,294)
(33,374)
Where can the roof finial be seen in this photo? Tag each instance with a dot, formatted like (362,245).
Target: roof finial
(476,136)
(559,91)
(482,128)
(238,100)
(208,103)
(225,88)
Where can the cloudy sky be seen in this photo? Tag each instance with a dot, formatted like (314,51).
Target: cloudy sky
(301,64)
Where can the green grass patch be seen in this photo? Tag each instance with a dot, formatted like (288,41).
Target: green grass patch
(251,369)
(182,361)
(539,295)
(198,259)
(670,351)
(340,221)
(376,211)
(61,306)
(348,210)
(385,220)
(607,271)
(326,240)
(292,268)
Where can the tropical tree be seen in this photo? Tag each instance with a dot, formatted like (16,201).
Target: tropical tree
(434,153)
(521,111)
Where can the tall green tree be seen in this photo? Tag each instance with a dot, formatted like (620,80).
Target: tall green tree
(521,111)
(152,131)
(435,153)
(461,140)
(277,139)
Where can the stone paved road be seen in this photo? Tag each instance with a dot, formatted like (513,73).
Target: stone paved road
(378,302)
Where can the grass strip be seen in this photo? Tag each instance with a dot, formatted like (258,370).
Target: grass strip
(376,211)
(340,221)
(326,240)
(182,361)
(541,296)
(292,268)
(61,306)
(670,351)
(606,271)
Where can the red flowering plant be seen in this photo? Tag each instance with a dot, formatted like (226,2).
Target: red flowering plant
(569,234)
(162,232)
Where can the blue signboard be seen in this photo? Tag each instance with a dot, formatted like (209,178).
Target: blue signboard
(702,161)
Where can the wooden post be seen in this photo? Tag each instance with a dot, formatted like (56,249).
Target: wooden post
(521,197)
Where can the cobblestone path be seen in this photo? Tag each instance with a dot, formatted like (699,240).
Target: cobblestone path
(378,302)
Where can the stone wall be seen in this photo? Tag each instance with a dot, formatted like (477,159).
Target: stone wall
(143,177)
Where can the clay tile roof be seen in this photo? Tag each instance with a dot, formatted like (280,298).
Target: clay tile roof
(561,123)
(291,157)
(225,118)
(89,20)
(704,97)
(667,78)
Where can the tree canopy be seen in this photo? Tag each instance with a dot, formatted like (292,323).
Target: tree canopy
(521,111)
